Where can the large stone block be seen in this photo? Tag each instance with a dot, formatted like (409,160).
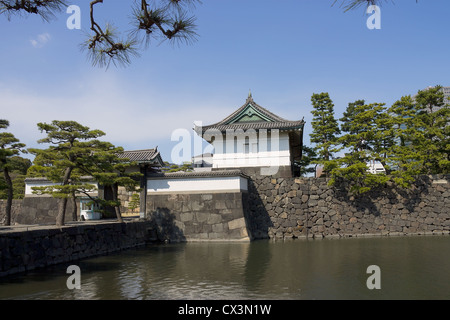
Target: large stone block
(237,223)
(201,216)
(214,218)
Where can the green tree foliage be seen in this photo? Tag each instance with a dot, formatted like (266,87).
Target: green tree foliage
(68,142)
(364,141)
(18,172)
(110,171)
(309,157)
(9,148)
(403,160)
(433,132)
(134,202)
(172,167)
(325,129)
(349,115)
(409,138)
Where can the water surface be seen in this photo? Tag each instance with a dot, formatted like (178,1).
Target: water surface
(411,268)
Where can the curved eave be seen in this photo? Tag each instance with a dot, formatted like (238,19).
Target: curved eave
(156,162)
(223,129)
(198,174)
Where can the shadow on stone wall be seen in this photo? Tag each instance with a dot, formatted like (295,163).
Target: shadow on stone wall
(165,226)
(307,207)
(389,196)
(257,216)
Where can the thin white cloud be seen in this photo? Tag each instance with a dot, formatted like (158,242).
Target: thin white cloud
(40,40)
(129,119)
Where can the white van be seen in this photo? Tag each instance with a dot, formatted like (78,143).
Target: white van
(375,167)
(88,211)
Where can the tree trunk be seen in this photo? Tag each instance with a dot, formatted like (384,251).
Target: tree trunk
(115,198)
(60,218)
(74,207)
(61,212)
(10,196)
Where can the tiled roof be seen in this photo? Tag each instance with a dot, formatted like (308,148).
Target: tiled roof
(286,125)
(43,179)
(213,173)
(272,121)
(142,156)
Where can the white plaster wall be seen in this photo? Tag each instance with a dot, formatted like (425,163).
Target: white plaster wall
(197,184)
(262,151)
(31,184)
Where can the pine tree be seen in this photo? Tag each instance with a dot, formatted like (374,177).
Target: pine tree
(156,20)
(309,157)
(403,159)
(9,147)
(364,141)
(18,171)
(433,139)
(69,141)
(325,129)
(110,171)
(349,114)
(134,202)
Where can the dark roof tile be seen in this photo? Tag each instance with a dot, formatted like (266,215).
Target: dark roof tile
(274,122)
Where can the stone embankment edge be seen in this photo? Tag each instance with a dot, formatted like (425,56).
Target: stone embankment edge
(25,248)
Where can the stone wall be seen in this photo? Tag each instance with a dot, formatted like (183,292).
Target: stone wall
(35,210)
(125,198)
(42,210)
(27,249)
(282,208)
(198,217)
(15,210)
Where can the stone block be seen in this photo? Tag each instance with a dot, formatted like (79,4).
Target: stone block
(237,223)
(214,218)
(219,227)
(206,197)
(201,216)
(292,193)
(220,205)
(196,205)
(312,203)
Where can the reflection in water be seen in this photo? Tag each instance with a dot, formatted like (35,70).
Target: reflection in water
(411,268)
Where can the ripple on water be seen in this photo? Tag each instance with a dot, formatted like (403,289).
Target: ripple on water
(411,268)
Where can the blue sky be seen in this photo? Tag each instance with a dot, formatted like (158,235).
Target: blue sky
(283,51)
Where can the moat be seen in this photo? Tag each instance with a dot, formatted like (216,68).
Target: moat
(412,267)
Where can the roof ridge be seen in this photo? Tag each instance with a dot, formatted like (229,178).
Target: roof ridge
(141,150)
(251,102)
(271,114)
(213,173)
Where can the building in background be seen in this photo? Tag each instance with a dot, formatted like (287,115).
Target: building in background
(445,90)
(146,162)
(254,137)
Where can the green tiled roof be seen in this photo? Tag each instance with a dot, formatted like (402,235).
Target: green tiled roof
(252,116)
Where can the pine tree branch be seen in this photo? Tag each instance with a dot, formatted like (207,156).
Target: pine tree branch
(44,8)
